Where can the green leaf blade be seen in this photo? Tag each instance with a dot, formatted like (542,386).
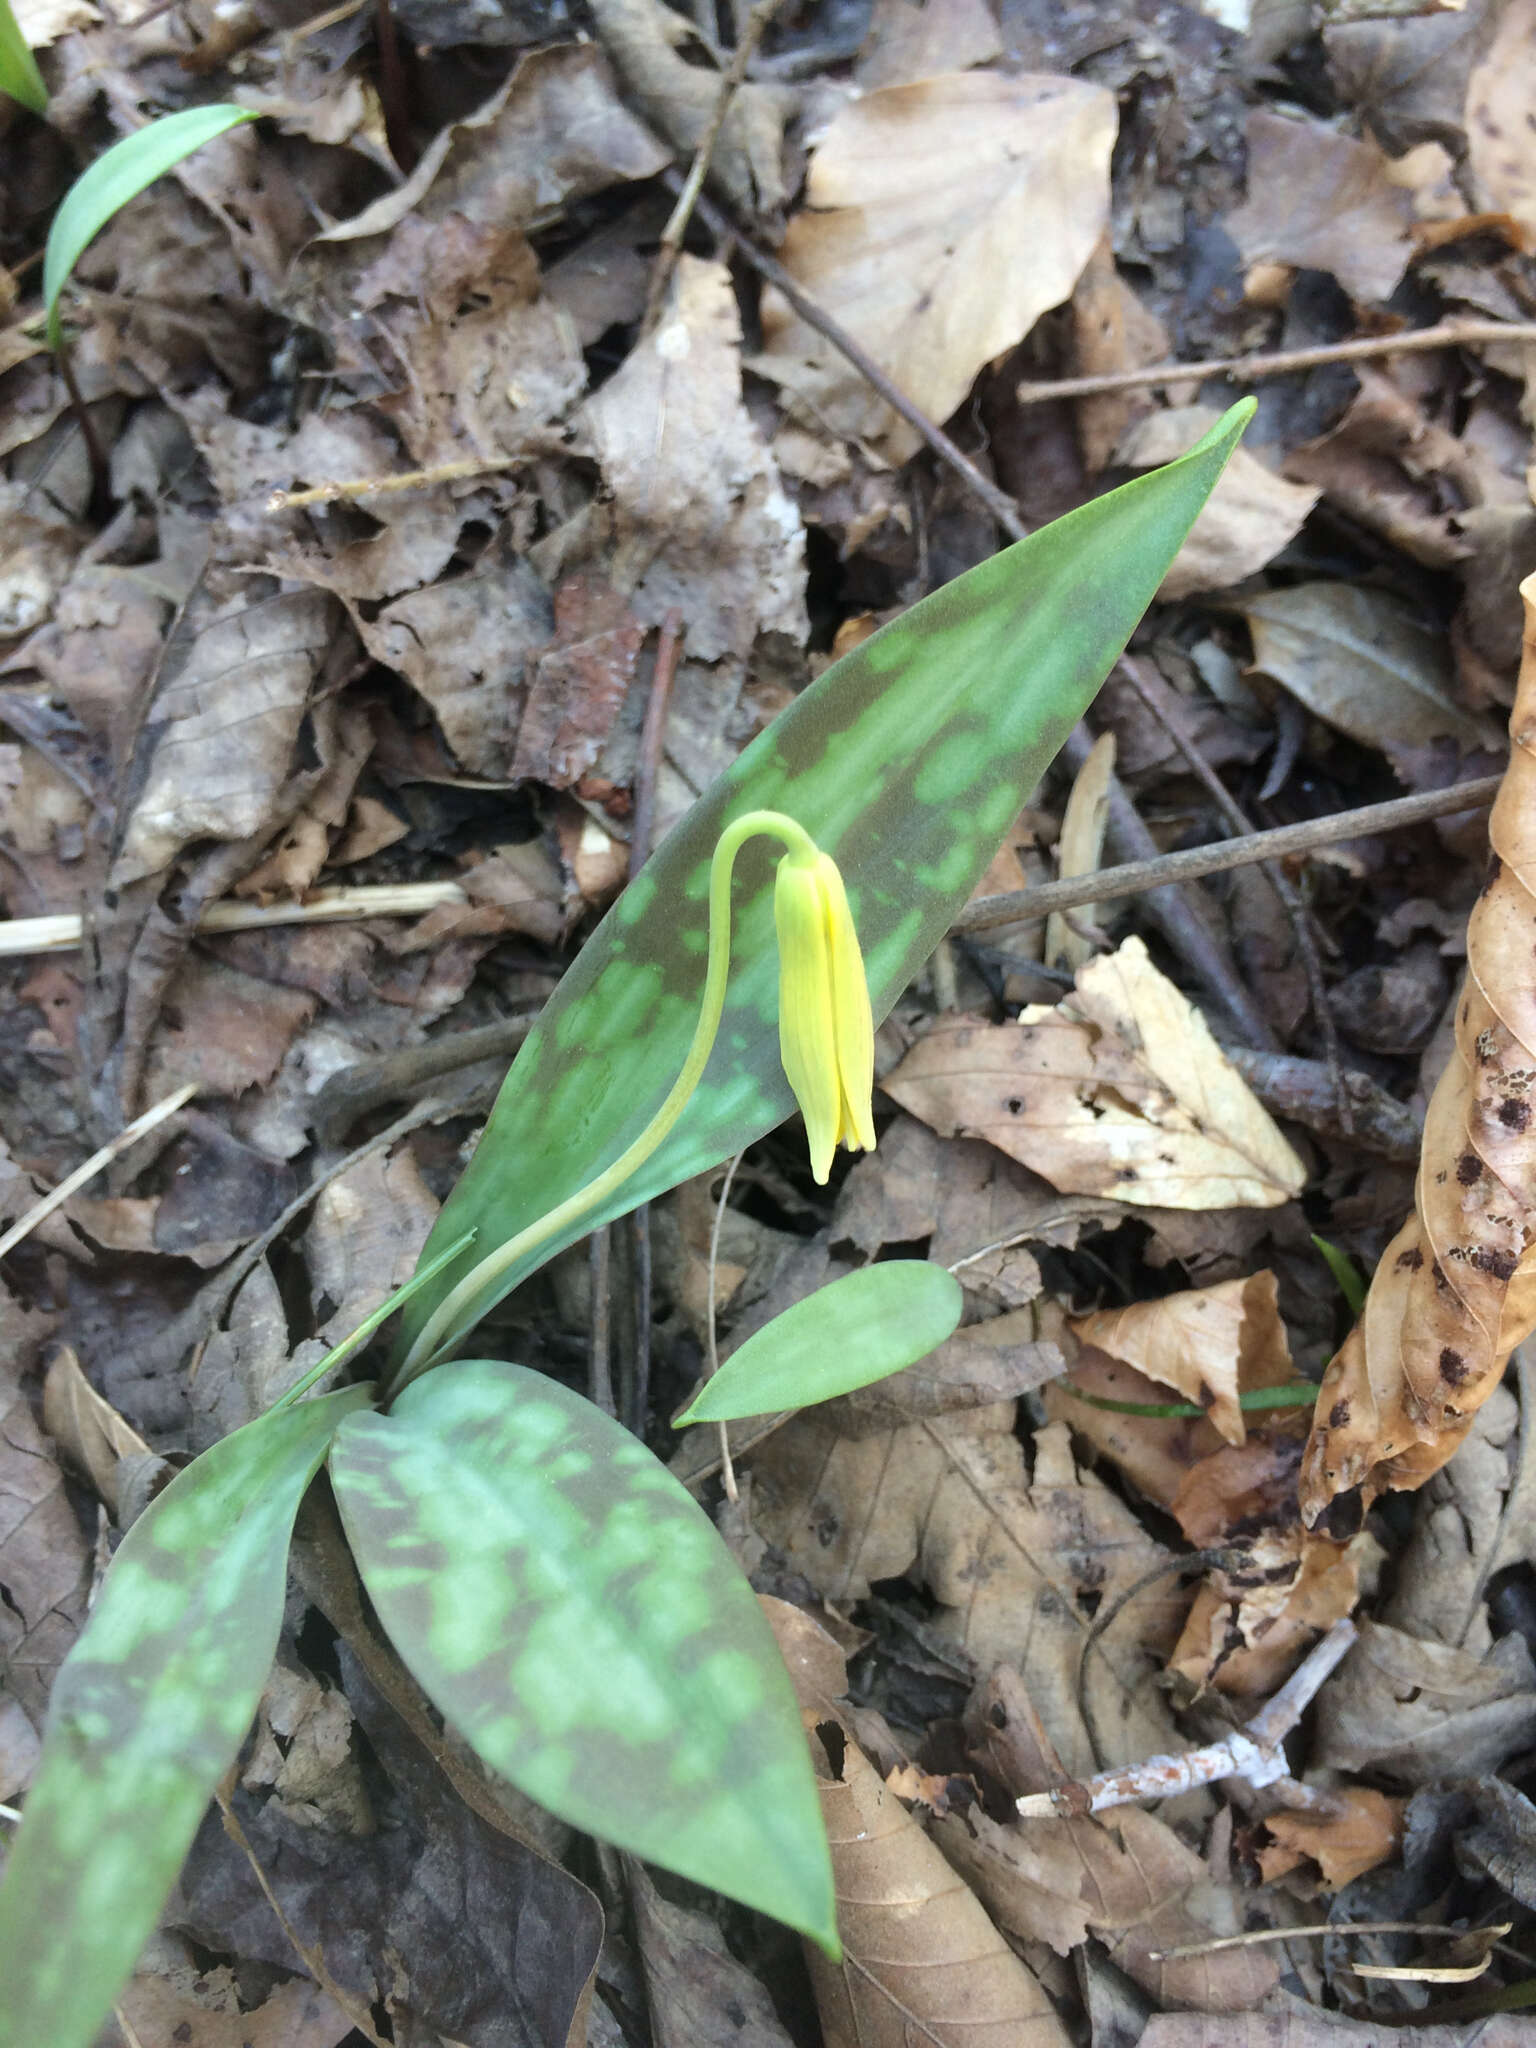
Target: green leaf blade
(571,1610)
(906,761)
(148,1711)
(858,1329)
(19,75)
(118,175)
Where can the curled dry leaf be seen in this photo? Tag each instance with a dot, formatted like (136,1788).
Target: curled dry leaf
(1120,1090)
(1456,1289)
(922,1961)
(89,1431)
(942,219)
(1208,1342)
(1415,1711)
(1365,1829)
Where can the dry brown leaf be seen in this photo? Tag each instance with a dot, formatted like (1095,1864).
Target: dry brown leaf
(1455,1291)
(1078,852)
(225,719)
(1501,149)
(1251,1624)
(1306,2026)
(1415,1711)
(1208,1342)
(1017,1564)
(298,2014)
(577,684)
(302,1751)
(1365,1829)
(225,1030)
(912,39)
(1120,1091)
(1111,330)
(368,1228)
(700,518)
(1250,516)
(1319,200)
(922,1962)
(941,220)
(1363,661)
(88,1430)
(697,1994)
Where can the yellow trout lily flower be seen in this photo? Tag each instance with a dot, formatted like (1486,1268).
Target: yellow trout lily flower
(826,1031)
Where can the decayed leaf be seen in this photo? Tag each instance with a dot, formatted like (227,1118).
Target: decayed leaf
(720,538)
(697,1994)
(45,1565)
(1120,1090)
(1319,200)
(1016,1563)
(1361,660)
(1501,150)
(1079,849)
(1208,1342)
(1456,1289)
(942,219)
(1416,1711)
(907,41)
(922,1961)
(89,1430)
(1250,516)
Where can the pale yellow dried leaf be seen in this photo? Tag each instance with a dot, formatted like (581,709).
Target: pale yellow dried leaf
(1078,852)
(942,219)
(1120,1090)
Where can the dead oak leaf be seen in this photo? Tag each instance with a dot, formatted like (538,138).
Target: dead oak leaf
(1120,1090)
(1319,200)
(942,219)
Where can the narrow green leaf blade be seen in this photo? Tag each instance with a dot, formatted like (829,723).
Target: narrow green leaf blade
(906,761)
(570,1609)
(855,1330)
(117,176)
(19,75)
(148,1712)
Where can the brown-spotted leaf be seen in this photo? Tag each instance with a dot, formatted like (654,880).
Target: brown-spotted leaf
(1456,1289)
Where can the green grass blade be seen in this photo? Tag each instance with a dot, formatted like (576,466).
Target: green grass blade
(19,75)
(116,177)
(571,1611)
(1345,1274)
(148,1712)
(906,761)
(845,1335)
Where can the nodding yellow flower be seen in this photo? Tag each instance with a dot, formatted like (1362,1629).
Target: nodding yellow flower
(826,1031)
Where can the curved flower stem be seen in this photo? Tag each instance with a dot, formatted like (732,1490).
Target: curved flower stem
(451,1317)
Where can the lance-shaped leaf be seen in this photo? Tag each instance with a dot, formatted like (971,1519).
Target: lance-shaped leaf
(906,762)
(845,1335)
(148,1712)
(571,1610)
(19,75)
(118,175)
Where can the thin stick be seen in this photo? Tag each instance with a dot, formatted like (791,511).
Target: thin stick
(712,1362)
(1247,369)
(997,502)
(1019,905)
(677,226)
(1316,1931)
(404,480)
(1290,899)
(129,1135)
(62,934)
(653,733)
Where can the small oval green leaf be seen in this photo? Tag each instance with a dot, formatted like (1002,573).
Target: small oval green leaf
(906,762)
(857,1329)
(148,1712)
(19,75)
(116,177)
(571,1610)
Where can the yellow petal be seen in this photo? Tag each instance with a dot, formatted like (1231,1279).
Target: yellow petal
(853,1023)
(807,1038)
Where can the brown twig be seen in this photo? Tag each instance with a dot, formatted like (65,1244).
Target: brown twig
(1450,334)
(1020,905)
(403,480)
(1290,899)
(669,647)
(129,1135)
(677,225)
(997,502)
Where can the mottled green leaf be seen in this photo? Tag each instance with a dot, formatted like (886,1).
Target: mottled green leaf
(571,1610)
(855,1330)
(148,1712)
(906,761)
(19,75)
(118,175)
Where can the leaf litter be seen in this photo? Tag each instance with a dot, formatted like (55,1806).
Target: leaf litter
(397,473)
